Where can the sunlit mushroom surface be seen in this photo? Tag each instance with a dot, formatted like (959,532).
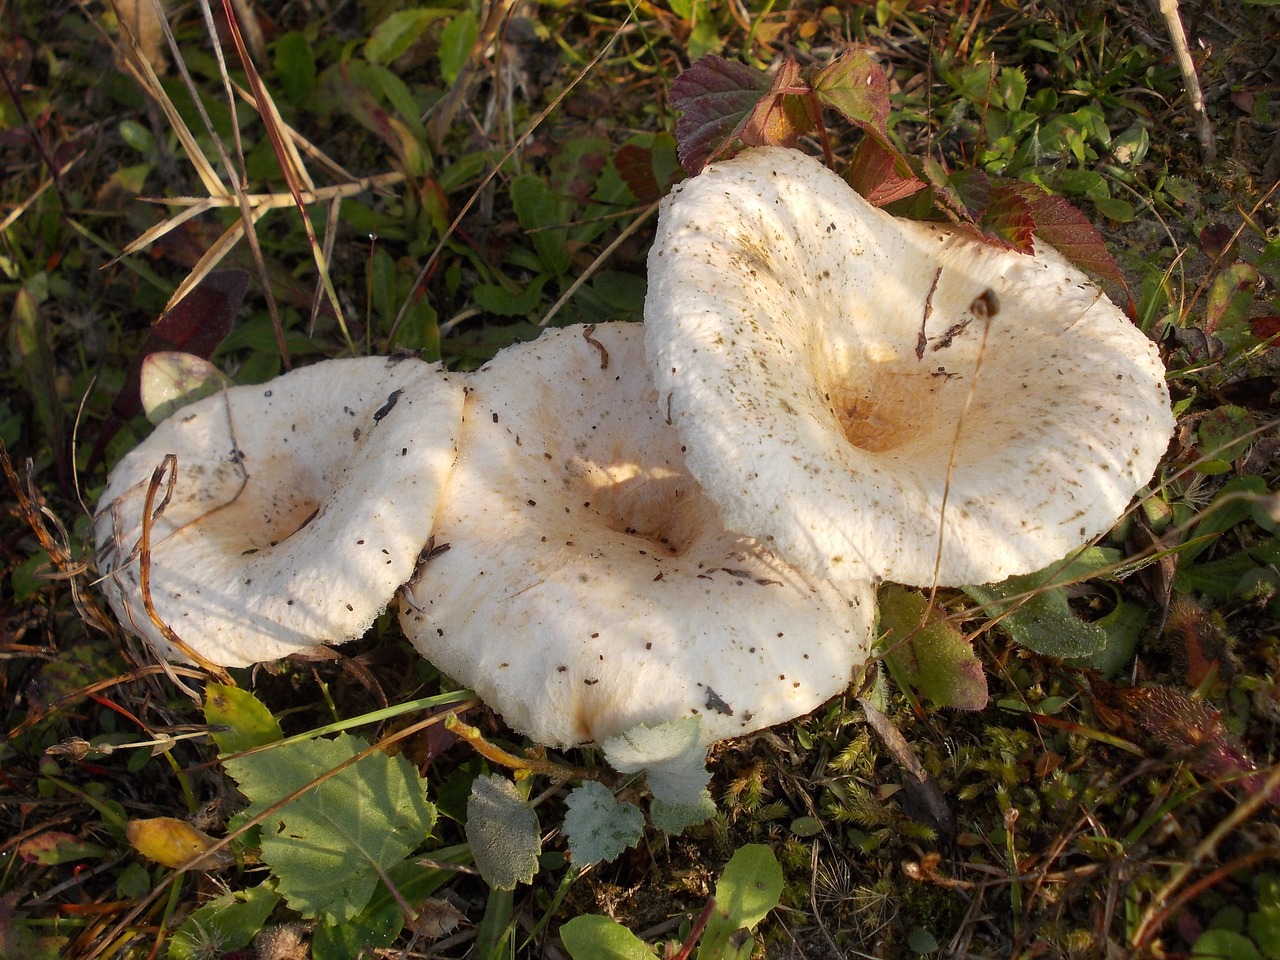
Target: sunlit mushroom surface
(837,375)
(298,507)
(582,583)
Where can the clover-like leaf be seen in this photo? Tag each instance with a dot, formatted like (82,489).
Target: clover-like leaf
(503,832)
(598,825)
(329,846)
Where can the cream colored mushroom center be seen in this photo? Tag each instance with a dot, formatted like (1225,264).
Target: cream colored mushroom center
(884,405)
(661,505)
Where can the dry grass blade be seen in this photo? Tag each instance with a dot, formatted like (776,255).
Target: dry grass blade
(290,163)
(146,77)
(33,511)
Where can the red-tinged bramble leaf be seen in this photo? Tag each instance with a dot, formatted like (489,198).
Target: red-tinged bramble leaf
(1264,328)
(881,174)
(1216,242)
(716,95)
(856,87)
(781,115)
(1064,227)
(1008,218)
(634,164)
(973,187)
(945,196)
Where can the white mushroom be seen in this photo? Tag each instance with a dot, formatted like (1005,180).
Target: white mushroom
(837,373)
(298,508)
(582,583)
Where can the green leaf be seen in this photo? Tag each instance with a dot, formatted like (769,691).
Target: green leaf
(328,846)
(456,41)
(1122,627)
(671,755)
(250,724)
(504,303)
(1225,945)
(1264,928)
(399,31)
(1234,504)
(591,937)
(230,921)
(1011,90)
(540,210)
(1217,579)
(1036,614)
(749,888)
(933,659)
(381,921)
(295,66)
(599,826)
(1230,297)
(675,818)
(855,85)
(138,137)
(751,885)
(503,832)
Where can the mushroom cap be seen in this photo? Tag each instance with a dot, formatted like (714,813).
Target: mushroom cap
(820,358)
(583,584)
(299,506)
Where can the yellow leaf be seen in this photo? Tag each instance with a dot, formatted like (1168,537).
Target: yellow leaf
(173,843)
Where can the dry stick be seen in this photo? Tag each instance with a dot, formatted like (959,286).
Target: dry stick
(1178,34)
(489,177)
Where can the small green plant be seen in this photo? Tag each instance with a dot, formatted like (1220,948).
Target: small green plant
(749,888)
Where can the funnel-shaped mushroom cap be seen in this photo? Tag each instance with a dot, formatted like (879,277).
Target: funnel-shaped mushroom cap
(818,356)
(588,585)
(299,507)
